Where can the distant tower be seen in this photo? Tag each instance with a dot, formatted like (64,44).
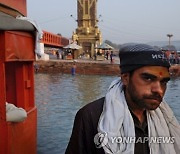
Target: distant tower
(87,34)
(169,36)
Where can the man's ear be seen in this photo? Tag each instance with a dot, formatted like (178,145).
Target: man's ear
(125,78)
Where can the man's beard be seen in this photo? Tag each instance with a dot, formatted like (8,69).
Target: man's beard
(143,101)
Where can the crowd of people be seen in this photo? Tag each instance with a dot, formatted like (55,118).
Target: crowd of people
(174,58)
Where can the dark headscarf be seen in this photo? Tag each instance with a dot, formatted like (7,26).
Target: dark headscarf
(134,56)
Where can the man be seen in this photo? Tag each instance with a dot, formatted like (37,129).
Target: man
(133,117)
(111,56)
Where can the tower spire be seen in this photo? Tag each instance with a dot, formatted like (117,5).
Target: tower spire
(87,33)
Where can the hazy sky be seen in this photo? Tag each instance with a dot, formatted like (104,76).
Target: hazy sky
(122,21)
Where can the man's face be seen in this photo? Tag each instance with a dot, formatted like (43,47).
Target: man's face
(146,87)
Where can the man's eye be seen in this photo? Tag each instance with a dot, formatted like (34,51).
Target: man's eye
(148,78)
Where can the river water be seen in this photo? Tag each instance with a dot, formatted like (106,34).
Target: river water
(59,96)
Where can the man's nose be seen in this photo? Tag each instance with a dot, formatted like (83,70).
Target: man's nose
(157,88)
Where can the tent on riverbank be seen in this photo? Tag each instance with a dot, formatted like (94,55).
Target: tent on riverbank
(103,49)
(72,50)
(104,46)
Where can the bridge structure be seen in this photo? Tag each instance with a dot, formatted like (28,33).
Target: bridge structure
(54,40)
(51,44)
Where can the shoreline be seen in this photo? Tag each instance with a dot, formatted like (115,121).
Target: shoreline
(88,67)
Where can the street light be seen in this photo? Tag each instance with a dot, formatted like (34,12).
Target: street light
(169,36)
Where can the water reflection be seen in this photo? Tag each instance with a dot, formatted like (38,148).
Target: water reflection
(59,96)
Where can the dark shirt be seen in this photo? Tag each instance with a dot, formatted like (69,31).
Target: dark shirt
(141,131)
(85,128)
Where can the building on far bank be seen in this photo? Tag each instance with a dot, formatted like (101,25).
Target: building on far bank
(87,33)
(51,44)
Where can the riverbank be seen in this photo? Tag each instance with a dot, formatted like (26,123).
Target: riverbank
(88,67)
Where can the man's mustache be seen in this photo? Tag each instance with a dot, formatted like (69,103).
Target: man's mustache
(154,96)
